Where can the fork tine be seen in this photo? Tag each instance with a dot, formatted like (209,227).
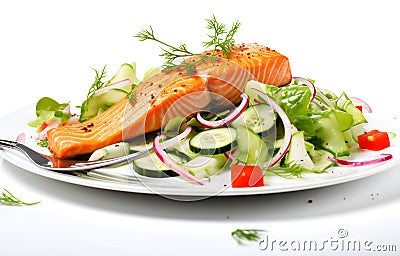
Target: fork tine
(112,161)
(56,164)
(8,143)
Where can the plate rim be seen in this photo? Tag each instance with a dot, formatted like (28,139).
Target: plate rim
(23,163)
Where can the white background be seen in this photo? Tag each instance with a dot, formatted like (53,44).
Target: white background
(47,49)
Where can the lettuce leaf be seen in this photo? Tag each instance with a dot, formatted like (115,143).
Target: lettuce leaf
(48,108)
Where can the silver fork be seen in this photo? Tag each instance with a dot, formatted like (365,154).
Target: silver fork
(67,165)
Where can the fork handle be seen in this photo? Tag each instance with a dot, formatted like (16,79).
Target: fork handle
(8,143)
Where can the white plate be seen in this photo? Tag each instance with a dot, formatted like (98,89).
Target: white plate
(123,179)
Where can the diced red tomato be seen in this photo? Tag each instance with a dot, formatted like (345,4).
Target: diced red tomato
(243,176)
(42,127)
(359,107)
(374,140)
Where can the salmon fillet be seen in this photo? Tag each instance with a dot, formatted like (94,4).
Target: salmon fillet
(170,94)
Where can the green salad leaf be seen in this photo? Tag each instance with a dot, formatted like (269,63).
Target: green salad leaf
(293,99)
(48,108)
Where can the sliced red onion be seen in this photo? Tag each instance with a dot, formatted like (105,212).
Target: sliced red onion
(380,158)
(287,127)
(309,85)
(117,85)
(53,123)
(229,118)
(257,101)
(359,102)
(229,155)
(168,161)
(21,138)
(67,109)
(170,142)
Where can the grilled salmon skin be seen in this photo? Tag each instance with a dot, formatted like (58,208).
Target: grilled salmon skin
(173,93)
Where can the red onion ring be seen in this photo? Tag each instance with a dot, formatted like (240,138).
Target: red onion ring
(314,92)
(168,161)
(287,127)
(309,85)
(117,85)
(379,159)
(359,102)
(170,142)
(232,116)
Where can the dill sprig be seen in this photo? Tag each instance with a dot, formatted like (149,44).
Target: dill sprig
(7,197)
(169,52)
(220,38)
(247,235)
(293,170)
(98,81)
(287,172)
(190,67)
(43,143)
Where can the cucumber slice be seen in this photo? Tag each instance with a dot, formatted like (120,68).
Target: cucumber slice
(184,148)
(141,147)
(344,103)
(253,84)
(314,107)
(151,72)
(111,151)
(297,154)
(258,118)
(302,154)
(213,141)
(252,150)
(348,139)
(329,136)
(126,71)
(356,131)
(206,166)
(151,166)
(98,103)
(142,143)
(95,105)
(278,144)
(345,120)
(328,93)
(321,160)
